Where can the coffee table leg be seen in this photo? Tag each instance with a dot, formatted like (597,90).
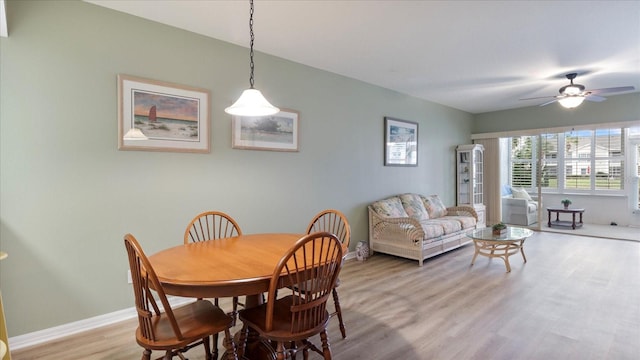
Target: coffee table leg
(522,250)
(475,244)
(506,259)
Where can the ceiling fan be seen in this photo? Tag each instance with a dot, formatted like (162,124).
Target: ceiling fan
(573,95)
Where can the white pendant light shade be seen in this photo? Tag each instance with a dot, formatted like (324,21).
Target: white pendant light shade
(571,102)
(135,134)
(252,103)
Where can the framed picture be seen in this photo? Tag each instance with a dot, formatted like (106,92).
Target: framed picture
(401,142)
(277,132)
(173,117)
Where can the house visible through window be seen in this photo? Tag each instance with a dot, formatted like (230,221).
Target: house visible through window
(591,161)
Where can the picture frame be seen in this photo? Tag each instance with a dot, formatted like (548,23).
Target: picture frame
(400,142)
(279,132)
(174,117)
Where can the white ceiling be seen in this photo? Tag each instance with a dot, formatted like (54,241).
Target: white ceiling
(477,56)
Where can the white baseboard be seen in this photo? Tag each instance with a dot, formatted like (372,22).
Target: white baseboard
(42,336)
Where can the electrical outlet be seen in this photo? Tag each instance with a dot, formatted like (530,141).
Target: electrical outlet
(129,280)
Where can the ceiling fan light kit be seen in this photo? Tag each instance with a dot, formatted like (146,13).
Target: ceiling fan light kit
(572,95)
(571,102)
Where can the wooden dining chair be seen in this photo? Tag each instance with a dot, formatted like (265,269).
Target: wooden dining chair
(309,270)
(335,222)
(175,330)
(213,225)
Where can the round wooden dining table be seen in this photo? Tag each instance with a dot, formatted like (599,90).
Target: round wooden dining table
(235,266)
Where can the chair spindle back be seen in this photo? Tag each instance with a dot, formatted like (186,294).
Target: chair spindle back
(211,225)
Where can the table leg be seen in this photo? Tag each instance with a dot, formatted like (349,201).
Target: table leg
(573,222)
(522,250)
(549,218)
(506,258)
(580,218)
(256,347)
(475,244)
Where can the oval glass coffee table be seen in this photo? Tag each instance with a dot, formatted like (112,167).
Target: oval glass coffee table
(502,246)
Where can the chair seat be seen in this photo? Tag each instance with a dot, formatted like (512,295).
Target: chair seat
(255,318)
(195,320)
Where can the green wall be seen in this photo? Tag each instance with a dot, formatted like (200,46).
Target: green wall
(68,195)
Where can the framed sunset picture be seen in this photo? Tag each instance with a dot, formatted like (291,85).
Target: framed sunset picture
(172,117)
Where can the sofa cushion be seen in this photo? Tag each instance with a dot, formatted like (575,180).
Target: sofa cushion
(431,230)
(414,207)
(467,222)
(434,206)
(449,226)
(520,194)
(391,207)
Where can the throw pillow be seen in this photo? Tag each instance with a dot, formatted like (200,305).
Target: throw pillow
(506,190)
(414,206)
(520,194)
(391,207)
(434,206)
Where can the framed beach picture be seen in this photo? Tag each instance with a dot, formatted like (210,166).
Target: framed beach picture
(277,132)
(401,142)
(173,117)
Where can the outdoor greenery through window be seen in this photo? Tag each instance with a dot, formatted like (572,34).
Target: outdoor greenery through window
(581,160)
(522,164)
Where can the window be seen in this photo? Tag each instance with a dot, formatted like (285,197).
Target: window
(522,161)
(634,170)
(549,163)
(524,166)
(577,159)
(609,159)
(637,176)
(588,160)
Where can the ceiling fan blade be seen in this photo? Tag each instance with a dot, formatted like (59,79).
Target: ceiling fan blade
(539,97)
(549,102)
(595,98)
(612,90)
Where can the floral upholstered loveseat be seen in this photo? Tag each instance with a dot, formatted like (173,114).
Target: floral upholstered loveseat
(418,227)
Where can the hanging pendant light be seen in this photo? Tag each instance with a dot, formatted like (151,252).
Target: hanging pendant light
(251,102)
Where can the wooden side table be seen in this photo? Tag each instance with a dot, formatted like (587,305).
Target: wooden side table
(558,222)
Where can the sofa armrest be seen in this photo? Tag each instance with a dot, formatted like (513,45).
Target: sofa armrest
(515,202)
(402,230)
(462,211)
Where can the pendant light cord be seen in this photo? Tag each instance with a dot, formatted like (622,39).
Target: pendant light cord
(251,65)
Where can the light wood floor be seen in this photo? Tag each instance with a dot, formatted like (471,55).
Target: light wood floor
(608,231)
(576,298)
